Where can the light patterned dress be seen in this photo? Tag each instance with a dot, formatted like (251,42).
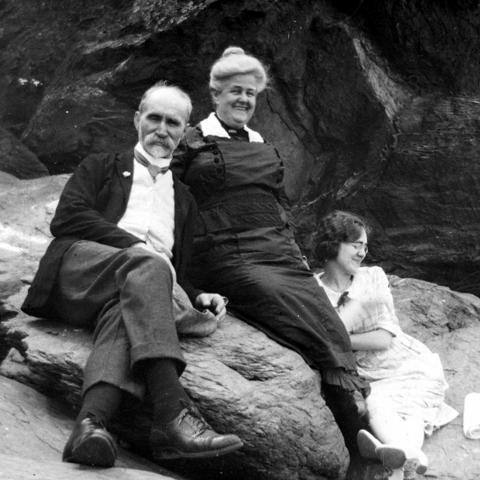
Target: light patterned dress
(407,376)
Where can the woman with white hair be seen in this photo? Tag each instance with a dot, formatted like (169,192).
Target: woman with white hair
(245,247)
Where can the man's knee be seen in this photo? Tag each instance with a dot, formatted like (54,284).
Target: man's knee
(144,262)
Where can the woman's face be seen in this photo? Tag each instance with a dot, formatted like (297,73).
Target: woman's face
(351,254)
(236,102)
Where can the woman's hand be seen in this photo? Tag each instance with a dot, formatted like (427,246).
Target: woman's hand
(213,302)
(375,340)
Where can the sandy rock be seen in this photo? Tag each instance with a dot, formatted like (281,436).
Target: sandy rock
(449,323)
(33,431)
(453,456)
(264,393)
(427,311)
(243,382)
(27,208)
(19,468)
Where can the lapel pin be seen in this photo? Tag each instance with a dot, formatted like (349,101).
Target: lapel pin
(126,174)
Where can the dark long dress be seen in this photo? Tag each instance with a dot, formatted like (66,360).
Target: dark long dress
(245,250)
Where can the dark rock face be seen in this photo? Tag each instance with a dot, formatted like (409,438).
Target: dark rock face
(372,104)
(432,45)
(17,159)
(430,188)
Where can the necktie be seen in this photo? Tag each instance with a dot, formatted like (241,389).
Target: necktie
(154,170)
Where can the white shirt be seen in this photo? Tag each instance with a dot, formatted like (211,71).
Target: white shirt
(150,212)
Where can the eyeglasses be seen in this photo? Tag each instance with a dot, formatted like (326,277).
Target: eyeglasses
(360,246)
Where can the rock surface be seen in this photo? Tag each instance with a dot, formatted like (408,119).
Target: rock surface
(21,468)
(242,381)
(449,323)
(246,388)
(33,431)
(373,105)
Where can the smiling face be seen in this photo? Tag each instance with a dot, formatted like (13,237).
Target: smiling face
(161,122)
(236,102)
(351,254)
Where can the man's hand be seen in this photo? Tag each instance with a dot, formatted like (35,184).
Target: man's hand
(213,302)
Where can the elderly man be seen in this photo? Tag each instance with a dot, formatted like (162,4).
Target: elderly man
(123,234)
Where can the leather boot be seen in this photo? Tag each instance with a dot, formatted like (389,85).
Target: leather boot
(188,435)
(90,444)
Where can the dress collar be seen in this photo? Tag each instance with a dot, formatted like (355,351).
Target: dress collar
(211,126)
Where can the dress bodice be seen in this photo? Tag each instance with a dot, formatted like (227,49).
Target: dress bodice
(238,185)
(218,164)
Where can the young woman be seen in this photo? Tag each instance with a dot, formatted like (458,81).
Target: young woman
(406,378)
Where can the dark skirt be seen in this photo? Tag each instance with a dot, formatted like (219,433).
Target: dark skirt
(279,295)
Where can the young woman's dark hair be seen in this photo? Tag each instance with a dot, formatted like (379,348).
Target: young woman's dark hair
(335,228)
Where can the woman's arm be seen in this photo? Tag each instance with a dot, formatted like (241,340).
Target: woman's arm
(375,340)
(183,155)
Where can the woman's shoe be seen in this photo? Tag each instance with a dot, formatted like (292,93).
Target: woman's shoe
(391,456)
(422,464)
(420,460)
(367,444)
(370,447)
(421,468)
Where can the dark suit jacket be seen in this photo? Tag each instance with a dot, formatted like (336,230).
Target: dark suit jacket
(92,202)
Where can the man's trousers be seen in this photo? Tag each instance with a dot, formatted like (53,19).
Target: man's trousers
(126,295)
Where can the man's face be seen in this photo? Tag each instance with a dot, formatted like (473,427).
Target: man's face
(162,122)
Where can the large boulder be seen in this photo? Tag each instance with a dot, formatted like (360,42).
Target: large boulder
(449,323)
(33,431)
(247,384)
(242,381)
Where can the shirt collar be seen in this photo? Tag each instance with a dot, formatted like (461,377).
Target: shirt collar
(159,162)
